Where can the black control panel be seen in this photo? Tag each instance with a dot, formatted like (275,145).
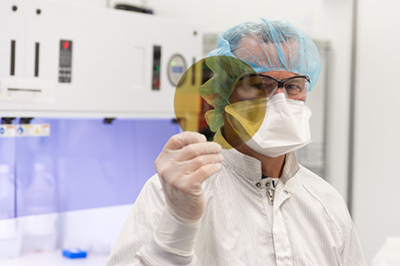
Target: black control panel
(65,66)
(156,68)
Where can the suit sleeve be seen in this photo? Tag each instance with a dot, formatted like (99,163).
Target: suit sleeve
(136,243)
(352,253)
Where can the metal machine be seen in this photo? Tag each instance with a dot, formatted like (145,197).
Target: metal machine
(86,94)
(62,59)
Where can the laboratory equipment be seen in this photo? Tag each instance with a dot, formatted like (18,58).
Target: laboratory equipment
(10,236)
(96,63)
(74,253)
(87,95)
(40,225)
(176,67)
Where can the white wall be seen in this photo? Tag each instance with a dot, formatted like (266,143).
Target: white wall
(377,182)
(216,15)
(338,29)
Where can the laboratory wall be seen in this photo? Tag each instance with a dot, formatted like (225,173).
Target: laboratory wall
(377,126)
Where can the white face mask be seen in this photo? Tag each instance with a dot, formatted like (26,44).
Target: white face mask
(285,127)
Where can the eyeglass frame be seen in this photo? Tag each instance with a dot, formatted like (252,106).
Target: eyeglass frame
(280,82)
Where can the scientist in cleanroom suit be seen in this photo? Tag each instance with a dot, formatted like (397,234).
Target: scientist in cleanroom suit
(243,199)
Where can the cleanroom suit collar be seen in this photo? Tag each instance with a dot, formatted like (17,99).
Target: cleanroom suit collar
(250,167)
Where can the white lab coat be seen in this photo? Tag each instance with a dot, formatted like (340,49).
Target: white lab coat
(307,225)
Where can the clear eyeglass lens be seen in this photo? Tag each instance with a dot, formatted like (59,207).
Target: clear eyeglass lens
(255,87)
(248,88)
(295,88)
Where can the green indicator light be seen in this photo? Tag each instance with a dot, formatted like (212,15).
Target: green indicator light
(157,68)
(173,63)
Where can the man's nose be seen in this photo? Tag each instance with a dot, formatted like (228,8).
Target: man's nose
(279,90)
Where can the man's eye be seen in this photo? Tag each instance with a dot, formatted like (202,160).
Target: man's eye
(292,87)
(258,86)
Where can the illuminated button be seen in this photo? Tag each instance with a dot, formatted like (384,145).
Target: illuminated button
(66,45)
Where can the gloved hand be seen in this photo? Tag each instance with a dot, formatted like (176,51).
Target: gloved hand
(185,162)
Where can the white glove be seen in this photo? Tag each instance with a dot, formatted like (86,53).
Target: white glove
(185,162)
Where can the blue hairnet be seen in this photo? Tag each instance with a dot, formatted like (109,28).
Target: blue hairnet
(269,45)
(264,45)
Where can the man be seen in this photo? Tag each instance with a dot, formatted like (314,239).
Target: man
(248,203)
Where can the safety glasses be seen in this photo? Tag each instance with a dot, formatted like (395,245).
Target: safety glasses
(254,86)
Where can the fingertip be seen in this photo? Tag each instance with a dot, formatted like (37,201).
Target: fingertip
(194,137)
(202,137)
(218,167)
(217,146)
(180,140)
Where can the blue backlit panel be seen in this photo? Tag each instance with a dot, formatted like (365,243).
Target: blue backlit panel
(84,163)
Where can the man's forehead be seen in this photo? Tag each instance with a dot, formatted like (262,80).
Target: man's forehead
(267,55)
(280,74)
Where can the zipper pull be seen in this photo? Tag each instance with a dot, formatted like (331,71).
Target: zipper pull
(270,192)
